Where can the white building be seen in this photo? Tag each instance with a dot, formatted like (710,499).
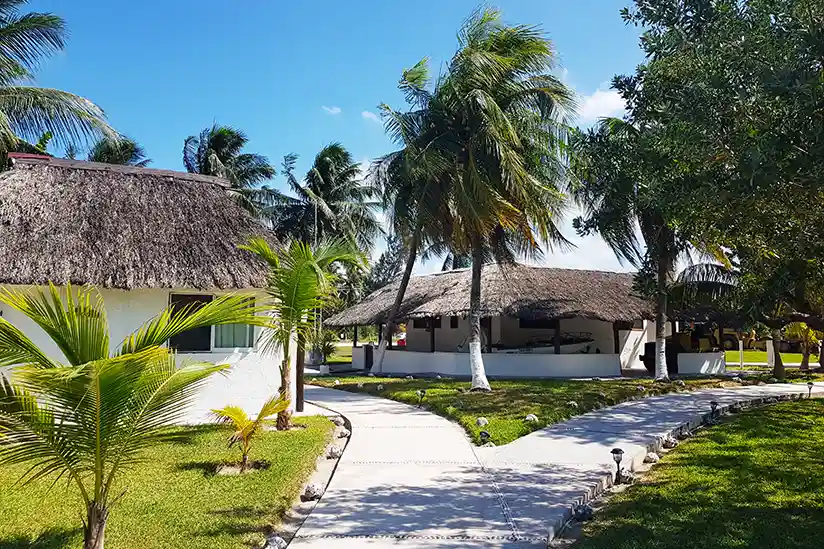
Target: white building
(537,322)
(146,239)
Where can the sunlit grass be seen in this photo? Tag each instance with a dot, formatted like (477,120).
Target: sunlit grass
(173,500)
(756,481)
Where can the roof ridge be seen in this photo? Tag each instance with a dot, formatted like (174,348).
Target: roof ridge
(35,160)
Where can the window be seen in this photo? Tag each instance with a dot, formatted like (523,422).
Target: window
(536,323)
(233,336)
(423,323)
(453,322)
(199,339)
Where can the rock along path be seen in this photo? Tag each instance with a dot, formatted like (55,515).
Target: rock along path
(411,479)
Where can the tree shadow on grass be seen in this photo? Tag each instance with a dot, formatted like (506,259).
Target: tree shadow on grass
(53,538)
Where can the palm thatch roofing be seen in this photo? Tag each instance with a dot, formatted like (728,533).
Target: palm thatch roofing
(122,227)
(512,290)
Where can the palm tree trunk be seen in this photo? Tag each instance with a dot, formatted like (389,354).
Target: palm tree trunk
(661,371)
(805,354)
(476,360)
(285,417)
(778,369)
(244,462)
(94,530)
(393,313)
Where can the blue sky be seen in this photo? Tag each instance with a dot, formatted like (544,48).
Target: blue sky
(298,75)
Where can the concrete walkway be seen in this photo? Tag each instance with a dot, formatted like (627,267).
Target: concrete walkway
(411,479)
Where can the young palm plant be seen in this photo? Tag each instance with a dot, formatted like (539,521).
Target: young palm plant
(89,416)
(122,151)
(300,283)
(246,428)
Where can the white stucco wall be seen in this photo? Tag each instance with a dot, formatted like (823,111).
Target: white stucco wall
(253,377)
(504,365)
(702,363)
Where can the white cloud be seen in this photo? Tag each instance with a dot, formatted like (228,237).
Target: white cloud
(603,102)
(332,110)
(369,115)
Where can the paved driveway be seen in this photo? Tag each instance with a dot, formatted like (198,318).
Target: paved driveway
(410,479)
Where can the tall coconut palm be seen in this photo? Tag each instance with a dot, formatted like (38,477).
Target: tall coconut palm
(300,282)
(27,112)
(496,122)
(218,151)
(122,151)
(614,187)
(88,418)
(331,202)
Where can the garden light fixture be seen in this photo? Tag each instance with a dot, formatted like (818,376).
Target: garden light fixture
(421,393)
(485,436)
(617,456)
(809,389)
(713,407)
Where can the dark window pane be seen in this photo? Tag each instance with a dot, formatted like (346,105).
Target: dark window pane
(536,323)
(453,322)
(199,339)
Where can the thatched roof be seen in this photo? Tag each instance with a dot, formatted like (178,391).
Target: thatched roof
(122,227)
(517,290)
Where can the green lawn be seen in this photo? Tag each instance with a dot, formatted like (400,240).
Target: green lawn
(343,355)
(172,500)
(755,482)
(761,356)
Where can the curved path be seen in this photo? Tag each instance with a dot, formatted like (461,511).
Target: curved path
(411,479)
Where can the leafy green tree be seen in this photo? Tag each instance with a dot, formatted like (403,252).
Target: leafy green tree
(27,112)
(494,129)
(122,151)
(247,429)
(331,202)
(730,91)
(88,418)
(300,283)
(218,151)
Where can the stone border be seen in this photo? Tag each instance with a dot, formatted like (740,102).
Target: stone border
(324,471)
(636,463)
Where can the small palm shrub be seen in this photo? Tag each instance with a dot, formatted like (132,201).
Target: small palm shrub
(246,428)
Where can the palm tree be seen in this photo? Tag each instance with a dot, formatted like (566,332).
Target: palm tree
(217,151)
(613,171)
(246,428)
(122,151)
(90,417)
(300,283)
(495,126)
(331,202)
(27,112)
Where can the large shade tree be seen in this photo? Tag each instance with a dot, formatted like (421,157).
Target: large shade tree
(89,416)
(26,111)
(218,151)
(332,201)
(731,90)
(493,131)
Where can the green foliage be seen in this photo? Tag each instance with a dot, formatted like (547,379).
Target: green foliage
(322,342)
(735,485)
(332,201)
(388,267)
(729,96)
(88,419)
(28,113)
(246,428)
(120,150)
(173,499)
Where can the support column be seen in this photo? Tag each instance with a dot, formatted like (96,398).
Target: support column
(489,335)
(431,322)
(616,338)
(557,336)
(355,337)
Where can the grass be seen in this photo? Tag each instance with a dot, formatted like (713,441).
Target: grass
(761,356)
(511,401)
(343,355)
(172,500)
(756,481)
